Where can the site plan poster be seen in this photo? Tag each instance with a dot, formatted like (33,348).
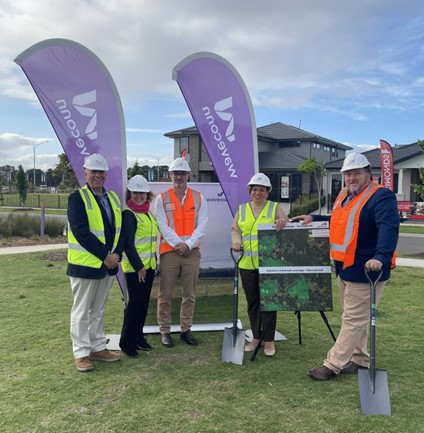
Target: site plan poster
(295,267)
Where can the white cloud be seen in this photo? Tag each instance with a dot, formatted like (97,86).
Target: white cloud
(356,62)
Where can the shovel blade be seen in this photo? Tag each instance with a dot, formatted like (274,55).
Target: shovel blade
(374,401)
(233,350)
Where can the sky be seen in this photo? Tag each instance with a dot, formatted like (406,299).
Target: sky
(352,72)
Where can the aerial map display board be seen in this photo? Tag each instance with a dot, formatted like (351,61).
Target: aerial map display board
(295,267)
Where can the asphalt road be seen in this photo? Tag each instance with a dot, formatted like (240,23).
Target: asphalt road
(410,243)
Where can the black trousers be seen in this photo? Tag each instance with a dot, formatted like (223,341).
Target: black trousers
(136,311)
(259,320)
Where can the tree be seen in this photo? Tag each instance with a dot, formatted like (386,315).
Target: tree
(419,188)
(134,170)
(150,173)
(52,180)
(21,185)
(7,176)
(318,172)
(64,169)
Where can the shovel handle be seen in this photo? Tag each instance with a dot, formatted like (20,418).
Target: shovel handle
(373,314)
(236,259)
(373,282)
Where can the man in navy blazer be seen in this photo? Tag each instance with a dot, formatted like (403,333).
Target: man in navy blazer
(364,230)
(94,216)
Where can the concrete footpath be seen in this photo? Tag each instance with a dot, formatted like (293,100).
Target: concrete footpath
(415,263)
(31,249)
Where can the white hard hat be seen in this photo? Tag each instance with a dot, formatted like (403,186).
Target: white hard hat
(138,183)
(179,164)
(96,162)
(260,179)
(355,160)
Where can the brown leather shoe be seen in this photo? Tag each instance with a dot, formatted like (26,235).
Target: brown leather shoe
(105,356)
(83,364)
(321,373)
(351,368)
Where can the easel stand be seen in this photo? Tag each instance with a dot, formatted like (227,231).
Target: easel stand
(299,325)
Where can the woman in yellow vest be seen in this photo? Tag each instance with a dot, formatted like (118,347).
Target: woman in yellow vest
(244,235)
(139,233)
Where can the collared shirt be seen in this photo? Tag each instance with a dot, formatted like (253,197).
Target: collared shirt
(106,205)
(169,234)
(351,195)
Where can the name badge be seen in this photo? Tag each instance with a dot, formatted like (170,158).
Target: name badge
(170,206)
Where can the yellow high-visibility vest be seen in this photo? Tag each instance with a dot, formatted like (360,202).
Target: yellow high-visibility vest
(145,242)
(248,226)
(77,255)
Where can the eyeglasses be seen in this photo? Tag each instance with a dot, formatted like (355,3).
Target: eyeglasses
(178,173)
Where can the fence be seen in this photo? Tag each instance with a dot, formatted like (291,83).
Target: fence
(50,201)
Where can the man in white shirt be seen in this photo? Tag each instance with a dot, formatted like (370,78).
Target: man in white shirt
(182,216)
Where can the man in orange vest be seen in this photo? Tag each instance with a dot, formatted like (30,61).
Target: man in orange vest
(182,216)
(364,230)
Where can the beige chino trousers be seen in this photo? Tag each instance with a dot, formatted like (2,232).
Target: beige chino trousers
(352,341)
(173,265)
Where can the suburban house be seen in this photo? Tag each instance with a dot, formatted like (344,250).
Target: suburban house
(281,149)
(407,159)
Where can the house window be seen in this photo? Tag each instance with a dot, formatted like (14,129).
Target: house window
(183,146)
(285,144)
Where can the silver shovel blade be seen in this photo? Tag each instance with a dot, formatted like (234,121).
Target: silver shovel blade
(377,402)
(233,350)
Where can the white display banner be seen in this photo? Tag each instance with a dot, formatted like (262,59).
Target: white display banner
(215,246)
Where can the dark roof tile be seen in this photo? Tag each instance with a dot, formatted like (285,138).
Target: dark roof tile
(401,152)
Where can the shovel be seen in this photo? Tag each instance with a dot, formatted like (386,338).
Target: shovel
(373,384)
(234,338)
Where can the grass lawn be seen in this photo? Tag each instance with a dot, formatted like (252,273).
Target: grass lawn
(188,389)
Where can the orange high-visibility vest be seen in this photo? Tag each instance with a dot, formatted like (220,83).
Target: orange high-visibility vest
(182,219)
(344,225)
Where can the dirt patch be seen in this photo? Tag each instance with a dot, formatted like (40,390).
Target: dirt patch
(418,255)
(59,256)
(51,256)
(25,242)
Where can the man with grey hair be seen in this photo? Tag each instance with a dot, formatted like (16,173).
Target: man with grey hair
(94,216)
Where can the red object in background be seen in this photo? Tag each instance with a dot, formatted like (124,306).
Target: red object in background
(386,163)
(404,206)
(184,153)
(413,210)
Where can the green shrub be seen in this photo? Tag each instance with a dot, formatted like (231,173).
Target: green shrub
(53,227)
(19,225)
(306,207)
(28,226)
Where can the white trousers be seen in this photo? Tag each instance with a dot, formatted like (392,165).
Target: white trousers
(87,314)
